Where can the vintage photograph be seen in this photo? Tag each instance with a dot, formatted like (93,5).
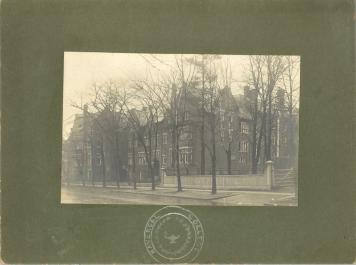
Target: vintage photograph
(180,129)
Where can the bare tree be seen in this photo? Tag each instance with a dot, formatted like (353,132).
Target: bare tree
(274,71)
(201,62)
(256,103)
(177,110)
(264,74)
(169,94)
(145,121)
(290,84)
(212,113)
(104,111)
(132,148)
(228,125)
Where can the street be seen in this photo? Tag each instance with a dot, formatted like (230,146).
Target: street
(169,196)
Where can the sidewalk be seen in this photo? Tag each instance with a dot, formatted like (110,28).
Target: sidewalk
(144,195)
(161,192)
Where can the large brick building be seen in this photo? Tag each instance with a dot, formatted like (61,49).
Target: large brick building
(233,142)
(89,154)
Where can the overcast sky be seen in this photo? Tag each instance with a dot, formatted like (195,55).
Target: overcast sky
(82,69)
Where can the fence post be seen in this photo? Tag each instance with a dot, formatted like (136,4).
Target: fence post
(163,175)
(269,174)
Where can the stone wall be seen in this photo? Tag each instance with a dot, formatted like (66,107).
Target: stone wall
(225,182)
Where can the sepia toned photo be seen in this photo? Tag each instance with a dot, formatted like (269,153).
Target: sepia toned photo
(180,129)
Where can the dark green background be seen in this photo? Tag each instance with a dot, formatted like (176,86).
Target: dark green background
(37,229)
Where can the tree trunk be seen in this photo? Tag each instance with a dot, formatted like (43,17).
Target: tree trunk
(134,161)
(213,175)
(81,172)
(269,129)
(92,160)
(292,148)
(179,183)
(150,168)
(228,156)
(102,154)
(153,185)
(213,164)
(202,146)
(265,142)
(117,161)
(254,148)
(173,153)
(261,135)
(202,130)
(84,165)
(85,153)
(291,144)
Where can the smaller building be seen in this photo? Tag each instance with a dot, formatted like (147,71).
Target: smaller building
(94,152)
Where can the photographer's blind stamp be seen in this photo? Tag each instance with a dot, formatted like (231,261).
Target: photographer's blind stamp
(173,235)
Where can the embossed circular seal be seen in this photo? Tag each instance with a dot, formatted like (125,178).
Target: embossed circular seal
(173,234)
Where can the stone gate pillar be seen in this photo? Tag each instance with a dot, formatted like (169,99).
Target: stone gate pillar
(163,175)
(269,174)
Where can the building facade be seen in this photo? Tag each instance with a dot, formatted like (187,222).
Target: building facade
(97,151)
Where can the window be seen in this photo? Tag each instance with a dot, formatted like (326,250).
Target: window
(142,158)
(187,133)
(273,139)
(156,139)
(244,127)
(242,159)
(243,146)
(165,138)
(164,160)
(157,153)
(185,155)
(145,139)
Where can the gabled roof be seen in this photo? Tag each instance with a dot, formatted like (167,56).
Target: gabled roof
(141,116)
